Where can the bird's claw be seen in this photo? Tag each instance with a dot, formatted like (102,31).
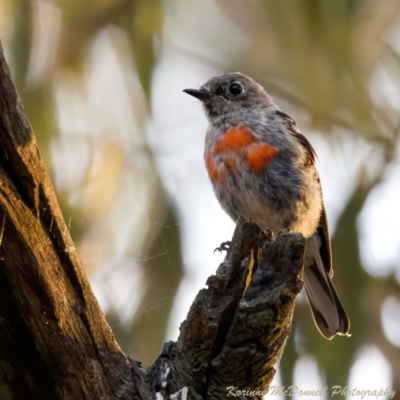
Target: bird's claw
(225,246)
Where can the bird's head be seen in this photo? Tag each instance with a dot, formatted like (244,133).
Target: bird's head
(231,95)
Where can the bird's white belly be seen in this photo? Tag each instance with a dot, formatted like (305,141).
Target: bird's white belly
(297,216)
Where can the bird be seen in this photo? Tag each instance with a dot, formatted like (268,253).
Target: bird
(262,168)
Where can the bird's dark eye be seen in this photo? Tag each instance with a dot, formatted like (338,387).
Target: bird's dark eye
(235,88)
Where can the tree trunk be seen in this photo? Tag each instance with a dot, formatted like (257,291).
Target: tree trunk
(54,340)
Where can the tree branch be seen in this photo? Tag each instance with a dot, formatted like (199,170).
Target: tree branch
(234,334)
(54,340)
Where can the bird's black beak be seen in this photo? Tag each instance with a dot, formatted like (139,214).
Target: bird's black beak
(201,94)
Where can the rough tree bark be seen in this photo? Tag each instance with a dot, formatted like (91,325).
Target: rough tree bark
(54,340)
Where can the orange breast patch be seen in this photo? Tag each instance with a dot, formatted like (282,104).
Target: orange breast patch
(238,145)
(234,139)
(259,156)
(211,168)
(219,172)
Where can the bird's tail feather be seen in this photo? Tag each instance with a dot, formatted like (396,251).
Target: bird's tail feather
(327,309)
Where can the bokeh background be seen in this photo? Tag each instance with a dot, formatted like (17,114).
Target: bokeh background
(102,83)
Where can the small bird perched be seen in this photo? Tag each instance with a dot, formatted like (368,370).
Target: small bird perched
(263,169)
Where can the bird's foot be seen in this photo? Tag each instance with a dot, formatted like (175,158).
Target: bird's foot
(225,246)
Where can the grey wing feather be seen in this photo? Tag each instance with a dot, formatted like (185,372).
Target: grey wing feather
(329,315)
(295,131)
(322,229)
(325,249)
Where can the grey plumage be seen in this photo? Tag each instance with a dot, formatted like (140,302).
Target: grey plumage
(263,169)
